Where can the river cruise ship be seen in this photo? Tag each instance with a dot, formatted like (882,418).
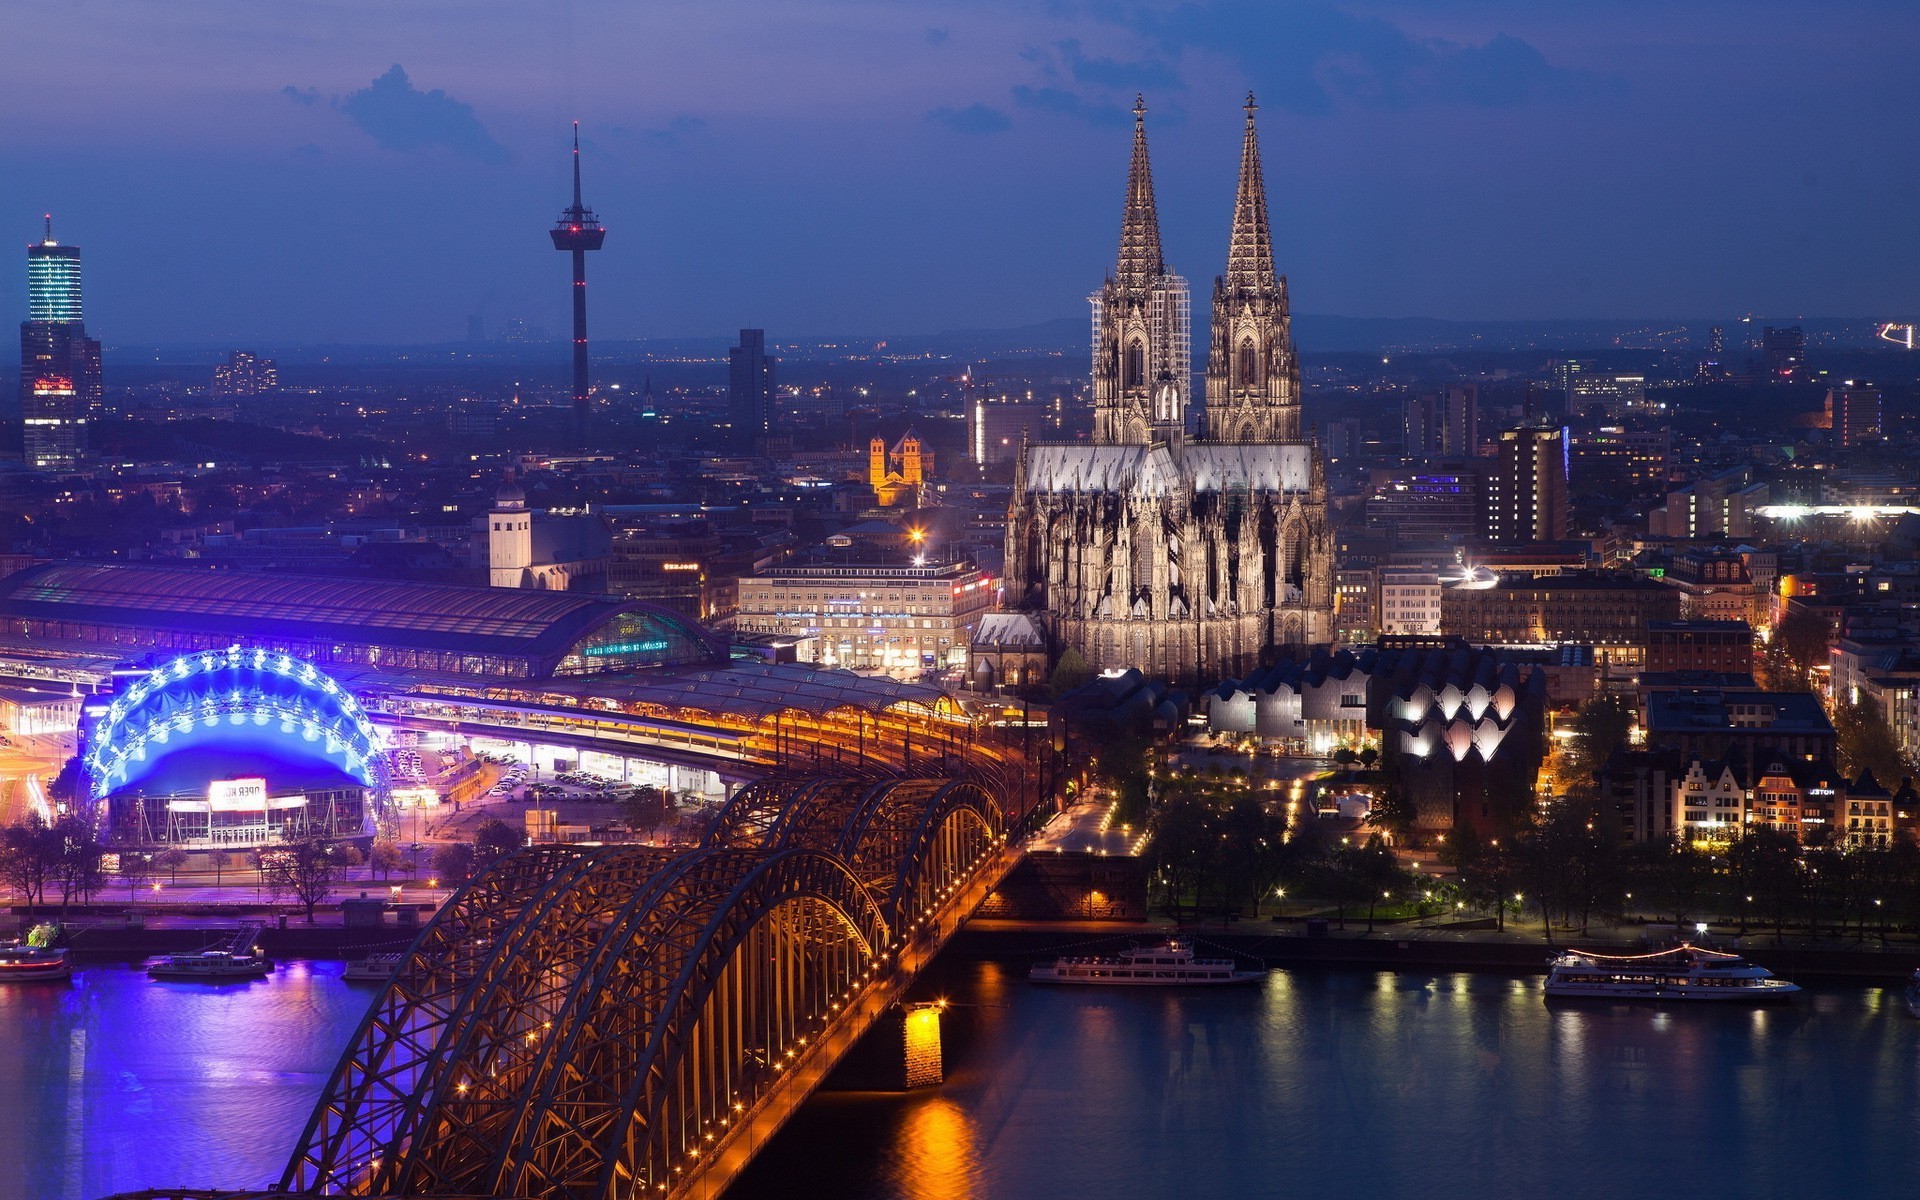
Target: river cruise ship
(1168,964)
(374,968)
(210,966)
(1685,972)
(23,963)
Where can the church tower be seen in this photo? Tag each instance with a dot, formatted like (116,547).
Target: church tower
(1253,376)
(1142,325)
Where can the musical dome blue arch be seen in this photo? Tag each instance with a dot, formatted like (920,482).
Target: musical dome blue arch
(244,691)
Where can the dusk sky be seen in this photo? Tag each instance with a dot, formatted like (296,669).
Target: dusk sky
(375,171)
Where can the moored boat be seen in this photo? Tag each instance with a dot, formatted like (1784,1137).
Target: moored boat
(374,968)
(1684,973)
(1167,964)
(211,966)
(1913,993)
(21,962)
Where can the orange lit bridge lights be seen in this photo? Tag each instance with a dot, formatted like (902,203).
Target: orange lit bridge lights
(624,1021)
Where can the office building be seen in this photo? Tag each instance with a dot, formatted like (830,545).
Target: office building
(1716,647)
(1442,424)
(1616,461)
(750,390)
(1430,507)
(1527,490)
(1784,352)
(1854,415)
(996,427)
(60,383)
(1606,611)
(1409,602)
(244,374)
(1610,397)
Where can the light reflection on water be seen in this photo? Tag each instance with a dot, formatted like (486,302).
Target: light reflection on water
(1316,1083)
(115,1082)
(1327,1083)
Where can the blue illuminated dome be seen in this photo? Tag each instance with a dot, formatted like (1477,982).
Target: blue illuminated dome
(215,714)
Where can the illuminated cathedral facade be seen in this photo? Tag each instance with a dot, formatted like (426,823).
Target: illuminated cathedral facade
(1188,550)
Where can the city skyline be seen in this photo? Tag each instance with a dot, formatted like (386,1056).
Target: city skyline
(1481,161)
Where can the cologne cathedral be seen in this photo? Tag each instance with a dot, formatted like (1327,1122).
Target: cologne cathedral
(1190,554)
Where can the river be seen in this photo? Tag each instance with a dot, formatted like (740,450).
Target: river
(1317,1083)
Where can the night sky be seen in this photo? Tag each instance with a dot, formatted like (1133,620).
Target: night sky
(374,171)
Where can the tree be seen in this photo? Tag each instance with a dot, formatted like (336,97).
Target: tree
(1765,864)
(453,863)
(384,859)
(78,867)
(495,839)
(1673,877)
(1600,729)
(1866,743)
(1393,807)
(171,860)
(1799,644)
(135,869)
(642,809)
(29,858)
(219,860)
(1072,672)
(1184,849)
(307,869)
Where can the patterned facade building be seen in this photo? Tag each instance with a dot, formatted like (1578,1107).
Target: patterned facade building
(1186,557)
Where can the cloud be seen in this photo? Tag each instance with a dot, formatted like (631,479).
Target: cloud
(1143,75)
(306,96)
(401,117)
(1097,90)
(939,37)
(1310,56)
(679,129)
(974,118)
(1071,104)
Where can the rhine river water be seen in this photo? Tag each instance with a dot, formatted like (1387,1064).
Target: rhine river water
(1317,1083)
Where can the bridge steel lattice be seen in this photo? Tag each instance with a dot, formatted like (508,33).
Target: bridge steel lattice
(625,1021)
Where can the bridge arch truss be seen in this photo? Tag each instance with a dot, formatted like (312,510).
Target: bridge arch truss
(604,1022)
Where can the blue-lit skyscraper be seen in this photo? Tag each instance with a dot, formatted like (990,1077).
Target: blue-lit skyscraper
(60,390)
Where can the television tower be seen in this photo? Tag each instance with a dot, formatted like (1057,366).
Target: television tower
(579,230)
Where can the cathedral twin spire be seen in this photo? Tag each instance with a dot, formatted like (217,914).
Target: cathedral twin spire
(1141,323)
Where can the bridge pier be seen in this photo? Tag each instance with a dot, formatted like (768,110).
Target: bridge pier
(921,1064)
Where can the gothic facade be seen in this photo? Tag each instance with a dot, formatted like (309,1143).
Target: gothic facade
(1186,556)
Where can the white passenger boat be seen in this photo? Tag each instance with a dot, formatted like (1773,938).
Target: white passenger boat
(374,968)
(1685,972)
(24,963)
(210,966)
(1168,964)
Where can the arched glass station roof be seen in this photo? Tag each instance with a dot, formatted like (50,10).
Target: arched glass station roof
(508,632)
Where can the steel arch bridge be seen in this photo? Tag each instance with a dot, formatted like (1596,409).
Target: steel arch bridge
(624,1021)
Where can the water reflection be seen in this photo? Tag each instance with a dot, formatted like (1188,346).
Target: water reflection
(1319,1083)
(937,1159)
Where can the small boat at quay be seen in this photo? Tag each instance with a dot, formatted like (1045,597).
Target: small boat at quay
(1167,964)
(21,962)
(374,968)
(1684,973)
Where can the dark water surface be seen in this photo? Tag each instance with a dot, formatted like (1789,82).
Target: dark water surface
(1319,1083)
